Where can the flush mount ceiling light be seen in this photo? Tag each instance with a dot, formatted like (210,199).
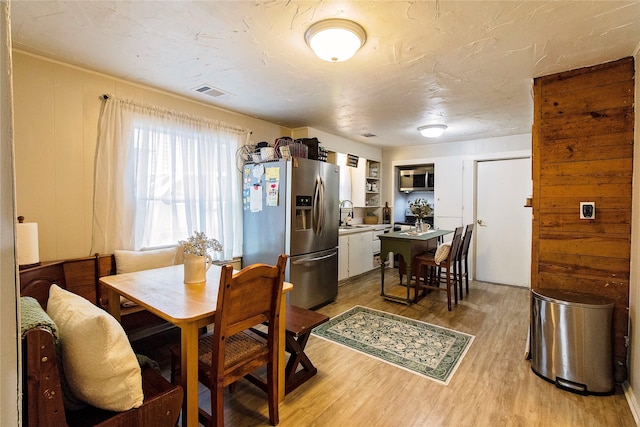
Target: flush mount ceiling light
(432,131)
(335,40)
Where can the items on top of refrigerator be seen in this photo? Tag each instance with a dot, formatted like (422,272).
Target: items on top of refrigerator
(316,151)
(296,148)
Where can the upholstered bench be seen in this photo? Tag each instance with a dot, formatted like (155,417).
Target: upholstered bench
(81,276)
(125,394)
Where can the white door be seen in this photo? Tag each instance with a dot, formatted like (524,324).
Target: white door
(503,224)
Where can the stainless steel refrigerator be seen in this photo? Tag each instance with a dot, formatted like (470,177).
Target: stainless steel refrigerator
(291,206)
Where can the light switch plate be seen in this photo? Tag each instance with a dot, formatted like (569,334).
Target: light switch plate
(587,210)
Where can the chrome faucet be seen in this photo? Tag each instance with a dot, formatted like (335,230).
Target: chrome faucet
(343,206)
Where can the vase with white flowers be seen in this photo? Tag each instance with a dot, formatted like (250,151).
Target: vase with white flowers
(421,209)
(197,260)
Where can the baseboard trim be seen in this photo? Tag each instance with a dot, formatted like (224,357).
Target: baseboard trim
(632,401)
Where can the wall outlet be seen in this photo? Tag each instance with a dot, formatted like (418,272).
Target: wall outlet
(587,210)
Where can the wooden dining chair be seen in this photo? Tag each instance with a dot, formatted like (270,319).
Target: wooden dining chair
(430,269)
(463,273)
(232,351)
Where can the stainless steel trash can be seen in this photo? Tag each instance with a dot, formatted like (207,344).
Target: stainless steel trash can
(571,340)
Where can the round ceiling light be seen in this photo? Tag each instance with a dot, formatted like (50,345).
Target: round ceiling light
(335,40)
(432,131)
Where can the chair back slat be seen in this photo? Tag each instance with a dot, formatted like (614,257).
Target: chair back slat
(466,242)
(455,244)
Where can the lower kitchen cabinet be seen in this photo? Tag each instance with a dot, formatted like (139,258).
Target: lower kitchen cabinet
(343,257)
(360,250)
(355,254)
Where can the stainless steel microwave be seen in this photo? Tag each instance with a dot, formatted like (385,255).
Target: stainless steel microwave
(417,179)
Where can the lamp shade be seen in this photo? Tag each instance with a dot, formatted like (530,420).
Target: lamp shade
(335,40)
(432,131)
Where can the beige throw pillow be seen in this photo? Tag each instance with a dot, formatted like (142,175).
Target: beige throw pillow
(99,363)
(130,261)
(442,253)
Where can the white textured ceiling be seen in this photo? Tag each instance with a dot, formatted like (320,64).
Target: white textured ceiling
(469,64)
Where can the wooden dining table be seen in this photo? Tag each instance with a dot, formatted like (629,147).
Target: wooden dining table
(188,306)
(406,243)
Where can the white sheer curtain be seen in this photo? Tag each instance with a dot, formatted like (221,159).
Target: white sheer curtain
(161,175)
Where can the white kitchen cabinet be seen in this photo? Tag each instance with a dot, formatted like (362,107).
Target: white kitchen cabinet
(376,240)
(355,254)
(360,253)
(359,184)
(448,194)
(448,187)
(343,257)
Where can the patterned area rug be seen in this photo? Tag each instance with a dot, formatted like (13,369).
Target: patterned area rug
(419,347)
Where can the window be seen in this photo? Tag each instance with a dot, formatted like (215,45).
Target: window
(170,175)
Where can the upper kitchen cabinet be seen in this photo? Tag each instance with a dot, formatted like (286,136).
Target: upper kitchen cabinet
(340,159)
(365,184)
(448,193)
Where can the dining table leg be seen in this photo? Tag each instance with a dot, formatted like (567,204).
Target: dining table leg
(189,367)
(282,340)
(409,265)
(113,306)
(404,249)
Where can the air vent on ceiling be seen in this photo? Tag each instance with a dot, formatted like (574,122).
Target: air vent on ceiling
(369,135)
(209,90)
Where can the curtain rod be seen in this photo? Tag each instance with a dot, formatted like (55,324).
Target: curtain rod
(106,96)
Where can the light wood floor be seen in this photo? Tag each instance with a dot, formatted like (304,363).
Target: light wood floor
(493,386)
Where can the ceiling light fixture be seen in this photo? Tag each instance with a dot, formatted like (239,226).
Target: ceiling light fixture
(432,131)
(335,40)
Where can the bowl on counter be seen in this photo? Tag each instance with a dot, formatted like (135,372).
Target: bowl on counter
(370,219)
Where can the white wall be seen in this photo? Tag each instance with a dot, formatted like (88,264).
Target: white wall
(57,107)
(632,389)
(468,152)
(339,144)
(9,349)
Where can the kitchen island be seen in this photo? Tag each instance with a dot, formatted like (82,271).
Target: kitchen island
(407,244)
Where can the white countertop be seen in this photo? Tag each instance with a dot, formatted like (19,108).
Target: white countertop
(361,228)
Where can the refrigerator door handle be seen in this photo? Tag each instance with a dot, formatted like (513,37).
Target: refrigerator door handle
(315,212)
(321,208)
(320,258)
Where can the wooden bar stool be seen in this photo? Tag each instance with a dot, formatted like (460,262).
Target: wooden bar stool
(462,259)
(444,258)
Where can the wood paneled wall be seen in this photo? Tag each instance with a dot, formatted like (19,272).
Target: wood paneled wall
(583,132)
